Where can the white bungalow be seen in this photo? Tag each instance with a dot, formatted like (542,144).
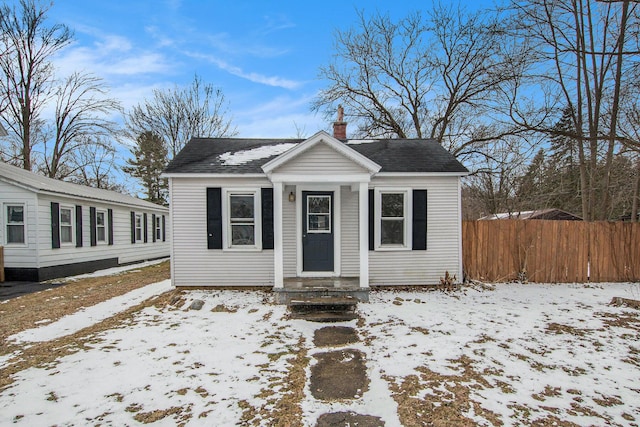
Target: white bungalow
(52,228)
(325,211)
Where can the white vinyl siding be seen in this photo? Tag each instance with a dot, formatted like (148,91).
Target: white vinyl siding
(194,264)
(423,267)
(320,160)
(349,246)
(37,252)
(289,233)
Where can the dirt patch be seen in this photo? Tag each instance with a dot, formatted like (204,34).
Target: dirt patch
(339,375)
(335,336)
(32,310)
(346,419)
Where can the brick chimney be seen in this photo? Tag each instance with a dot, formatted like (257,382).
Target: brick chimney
(340,126)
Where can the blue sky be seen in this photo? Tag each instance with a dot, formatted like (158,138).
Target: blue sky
(264,55)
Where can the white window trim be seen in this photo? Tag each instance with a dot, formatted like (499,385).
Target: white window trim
(106,227)
(135,230)
(5,223)
(72,210)
(157,228)
(226,219)
(408,220)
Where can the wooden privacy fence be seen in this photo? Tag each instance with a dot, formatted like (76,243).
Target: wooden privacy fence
(551,251)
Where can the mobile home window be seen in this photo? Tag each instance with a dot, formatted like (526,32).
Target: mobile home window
(101,226)
(66,225)
(158,228)
(138,227)
(15,224)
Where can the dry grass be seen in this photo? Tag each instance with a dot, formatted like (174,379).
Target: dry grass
(27,311)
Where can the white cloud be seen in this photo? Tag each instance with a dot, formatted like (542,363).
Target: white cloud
(251,76)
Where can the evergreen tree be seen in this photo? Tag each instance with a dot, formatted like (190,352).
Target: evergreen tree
(150,160)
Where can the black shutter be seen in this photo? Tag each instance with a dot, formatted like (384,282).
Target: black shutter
(372,220)
(92,225)
(110,218)
(78,226)
(214,218)
(419,233)
(55,225)
(133,227)
(164,232)
(144,227)
(267,218)
(153,227)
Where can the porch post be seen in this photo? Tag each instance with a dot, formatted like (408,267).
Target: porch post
(278,275)
(364,233)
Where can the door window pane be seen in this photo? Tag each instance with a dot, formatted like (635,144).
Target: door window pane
(319,214)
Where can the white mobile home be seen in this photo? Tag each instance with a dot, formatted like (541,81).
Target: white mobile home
(273,212)
(52,228)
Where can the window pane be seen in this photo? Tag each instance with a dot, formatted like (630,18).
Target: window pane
(65,235)
(138,234)
(242,206)
(319,222)
(15,214)
(101,234)
(15,233)
(242,234)
(65,216)
(100,218)
(393,205)
(392,232)
(319,204)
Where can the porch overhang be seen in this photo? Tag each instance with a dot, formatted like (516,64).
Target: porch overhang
(358,178)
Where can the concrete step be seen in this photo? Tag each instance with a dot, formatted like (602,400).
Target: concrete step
(346,301)
(325,316)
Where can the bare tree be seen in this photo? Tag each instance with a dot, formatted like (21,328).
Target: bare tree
(583,53)
(94,165)
(180,113)
(82,117)
(28,45)
(434,77)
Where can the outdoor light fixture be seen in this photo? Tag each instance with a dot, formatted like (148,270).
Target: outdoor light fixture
(292,197)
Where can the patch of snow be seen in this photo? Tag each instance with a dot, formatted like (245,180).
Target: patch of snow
(360,141)
(246,156)
(86,317)
(521,339)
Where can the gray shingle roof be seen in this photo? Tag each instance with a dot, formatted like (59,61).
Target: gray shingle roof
(39,183)
(211,155)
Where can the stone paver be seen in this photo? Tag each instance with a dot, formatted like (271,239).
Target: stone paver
(346,419)
(340,374)
(335,336)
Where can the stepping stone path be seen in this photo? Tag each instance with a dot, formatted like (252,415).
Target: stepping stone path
(340,375)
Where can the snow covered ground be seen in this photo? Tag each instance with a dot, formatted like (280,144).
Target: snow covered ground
(519,354)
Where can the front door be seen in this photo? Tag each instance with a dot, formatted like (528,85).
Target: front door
(317,231)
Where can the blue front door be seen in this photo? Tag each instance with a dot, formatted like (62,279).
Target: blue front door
(317,231)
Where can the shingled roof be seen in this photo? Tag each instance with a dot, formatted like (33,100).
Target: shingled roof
(245,156)
(40,184)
